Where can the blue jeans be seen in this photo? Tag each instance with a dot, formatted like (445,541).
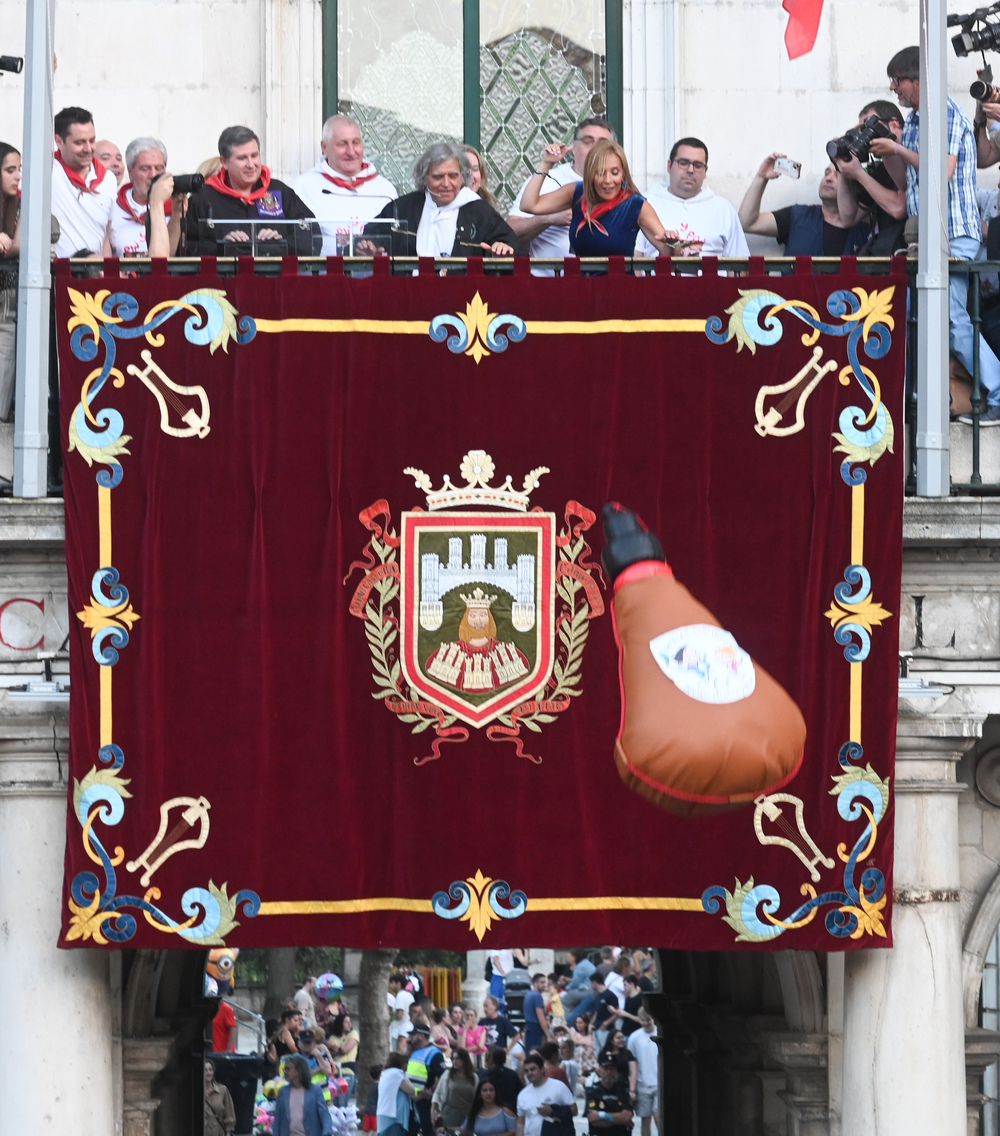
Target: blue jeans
(960,335)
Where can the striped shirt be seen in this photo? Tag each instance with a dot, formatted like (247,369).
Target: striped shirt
(963,211)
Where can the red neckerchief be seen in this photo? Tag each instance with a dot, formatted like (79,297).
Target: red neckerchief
(218,181)
(140,219)
(77,180)
(590,217)
(353,183)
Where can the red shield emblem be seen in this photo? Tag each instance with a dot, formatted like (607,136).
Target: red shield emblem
(477,609)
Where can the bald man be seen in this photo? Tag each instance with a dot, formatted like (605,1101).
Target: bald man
(110,158)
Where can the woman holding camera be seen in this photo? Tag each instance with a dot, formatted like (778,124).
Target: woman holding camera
(608,210)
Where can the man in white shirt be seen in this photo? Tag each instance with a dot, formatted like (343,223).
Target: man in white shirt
(342,189)
(543,1098)
(83,191)
(110,158)
(709,224)
(647,1055)
(145,158)
(399,1018)
(303,1000)
(549,232)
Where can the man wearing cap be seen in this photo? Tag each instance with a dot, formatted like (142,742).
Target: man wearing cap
(313,1052)
(609,1109)
(423,1071)
(342,189)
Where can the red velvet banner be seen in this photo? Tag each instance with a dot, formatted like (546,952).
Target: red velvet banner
(344,667)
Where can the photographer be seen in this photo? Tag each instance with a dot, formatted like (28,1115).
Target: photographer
(964,233)
(804,230)
(985,120)
(145,159)
(872,191)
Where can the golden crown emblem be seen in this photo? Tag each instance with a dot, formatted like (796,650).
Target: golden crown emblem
(477,469)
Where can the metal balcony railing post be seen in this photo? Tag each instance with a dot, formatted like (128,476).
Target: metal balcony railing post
(933,453)
(34,284)
(976,388)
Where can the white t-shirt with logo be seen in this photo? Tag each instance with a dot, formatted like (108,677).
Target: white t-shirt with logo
(531,1096)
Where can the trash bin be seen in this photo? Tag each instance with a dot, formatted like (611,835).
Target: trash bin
(239,1073)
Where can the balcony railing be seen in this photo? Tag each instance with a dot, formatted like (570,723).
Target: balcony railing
(405,266)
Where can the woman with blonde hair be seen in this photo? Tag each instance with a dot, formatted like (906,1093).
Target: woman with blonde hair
(608,210)
(480,176)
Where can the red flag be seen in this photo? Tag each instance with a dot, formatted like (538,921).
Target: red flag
(803,24)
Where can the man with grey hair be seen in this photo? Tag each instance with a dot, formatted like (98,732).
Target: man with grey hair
(443,217)
(145,159)
(342,189)
(244,196)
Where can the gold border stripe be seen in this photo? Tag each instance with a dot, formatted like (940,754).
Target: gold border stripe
(858,524)
(423,906)
(856,702)
(104,525)
(602,327)
(385,327)
(345,906)
(534,327)
(107,720)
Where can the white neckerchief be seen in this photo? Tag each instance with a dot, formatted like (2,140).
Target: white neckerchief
(436,231)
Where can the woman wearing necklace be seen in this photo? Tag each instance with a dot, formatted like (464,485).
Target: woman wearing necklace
(608,210)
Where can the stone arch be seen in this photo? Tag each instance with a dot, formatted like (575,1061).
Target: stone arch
(164,1013)
(979,932)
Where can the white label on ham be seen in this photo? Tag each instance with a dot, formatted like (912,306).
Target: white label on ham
(705,663)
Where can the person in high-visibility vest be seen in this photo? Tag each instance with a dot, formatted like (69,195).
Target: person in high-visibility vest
(425,1067)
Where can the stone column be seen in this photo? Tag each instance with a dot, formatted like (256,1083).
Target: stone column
(651,85)
(47,996)
(904,1035)
(292,63)
(475,987)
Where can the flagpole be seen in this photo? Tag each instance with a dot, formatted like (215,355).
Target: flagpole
(933,453)
(31,436)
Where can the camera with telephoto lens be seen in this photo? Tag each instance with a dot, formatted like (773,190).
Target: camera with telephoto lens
(984,92)
(858,140)
(183,183)
(13,63)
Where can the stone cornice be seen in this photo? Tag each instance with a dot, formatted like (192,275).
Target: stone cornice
(25,521)
(930,521)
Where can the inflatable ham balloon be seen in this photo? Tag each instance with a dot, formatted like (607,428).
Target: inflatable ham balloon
(703,726)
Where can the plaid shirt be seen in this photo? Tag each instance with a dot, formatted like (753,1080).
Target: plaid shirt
(963,211)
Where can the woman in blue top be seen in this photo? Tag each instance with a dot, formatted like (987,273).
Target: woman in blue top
(608,210)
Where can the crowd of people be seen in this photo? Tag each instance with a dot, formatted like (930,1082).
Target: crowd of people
(579,200)
(581,1043)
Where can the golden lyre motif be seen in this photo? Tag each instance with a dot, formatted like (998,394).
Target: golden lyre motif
(166,391)
(795,839)
(165,844)
(796,391)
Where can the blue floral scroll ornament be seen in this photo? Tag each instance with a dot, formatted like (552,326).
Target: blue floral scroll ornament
(477,330)
(98,913)
(98,320)
(476,902)
(752,910)
(865,432)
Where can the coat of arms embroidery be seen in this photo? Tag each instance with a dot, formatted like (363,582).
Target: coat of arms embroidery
(477,613)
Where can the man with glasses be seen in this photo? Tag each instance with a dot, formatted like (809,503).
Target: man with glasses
(708,225)
(548,234)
